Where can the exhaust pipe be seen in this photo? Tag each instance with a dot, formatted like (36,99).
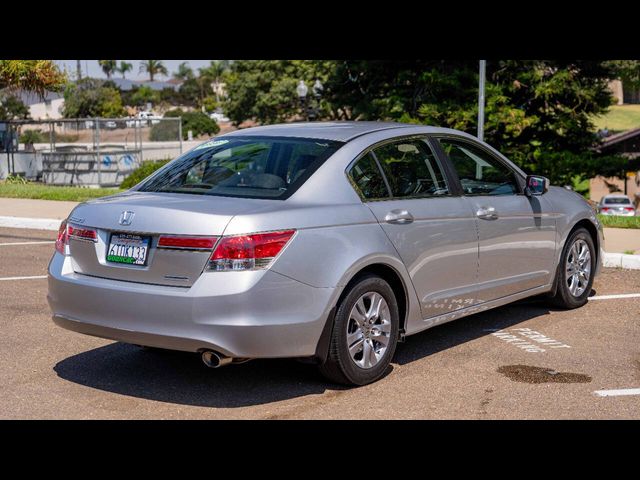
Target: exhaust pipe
(215,360)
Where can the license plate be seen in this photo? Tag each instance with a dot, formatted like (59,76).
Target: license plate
(128,248)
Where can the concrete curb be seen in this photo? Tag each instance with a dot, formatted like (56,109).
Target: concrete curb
(616,260)
(33,223)
(621,260)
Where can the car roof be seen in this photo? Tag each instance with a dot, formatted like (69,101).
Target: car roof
(338,131)
(616,195)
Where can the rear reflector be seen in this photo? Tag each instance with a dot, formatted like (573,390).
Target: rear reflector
(248,252)
(82,233)
(187,243)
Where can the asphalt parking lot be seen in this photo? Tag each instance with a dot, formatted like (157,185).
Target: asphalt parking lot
(523,361)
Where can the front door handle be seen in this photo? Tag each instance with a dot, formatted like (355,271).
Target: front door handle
(399,217)
(487,213)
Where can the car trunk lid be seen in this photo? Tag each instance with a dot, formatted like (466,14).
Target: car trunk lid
(142,219)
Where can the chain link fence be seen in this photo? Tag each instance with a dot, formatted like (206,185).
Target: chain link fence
(98,152)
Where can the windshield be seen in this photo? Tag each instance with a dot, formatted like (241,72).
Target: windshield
(617,201)
(252,167)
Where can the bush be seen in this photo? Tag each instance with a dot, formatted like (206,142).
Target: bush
(16,180)
(33,136)
(142,172)
(164,131)
(198,122)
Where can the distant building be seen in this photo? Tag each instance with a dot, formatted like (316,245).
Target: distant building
(624,95)
(41,108)
(626,144)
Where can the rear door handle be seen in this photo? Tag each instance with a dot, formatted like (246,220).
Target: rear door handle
(398,216)
(487,213)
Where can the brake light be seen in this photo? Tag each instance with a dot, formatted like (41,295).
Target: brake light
(61,241)
(629,209)
(187,243)
(82,233)
(248,252)
(605,209)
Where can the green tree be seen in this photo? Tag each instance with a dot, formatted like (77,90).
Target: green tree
(108,67)
(198,122)
(124,67)
(90,98)
(13,108)
(37,76)
(626,70)
(184,72)
(153,68)
(144,95)
(265,90)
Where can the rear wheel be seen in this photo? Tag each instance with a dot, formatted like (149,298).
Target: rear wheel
(575,272)
(365,333)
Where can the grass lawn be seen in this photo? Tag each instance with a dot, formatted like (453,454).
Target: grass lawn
(620,118)
(615,221)
(49,192)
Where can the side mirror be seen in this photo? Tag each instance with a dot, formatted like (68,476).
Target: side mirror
(536,185)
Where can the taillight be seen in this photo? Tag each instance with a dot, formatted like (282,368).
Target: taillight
(187,243)
(604,209)
(248,252)
(82,233)
(61,241)
(629,209)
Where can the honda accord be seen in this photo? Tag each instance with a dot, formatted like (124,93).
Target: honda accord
(328,242)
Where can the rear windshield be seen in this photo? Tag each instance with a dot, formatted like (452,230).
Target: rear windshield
(617,201)
(251,167)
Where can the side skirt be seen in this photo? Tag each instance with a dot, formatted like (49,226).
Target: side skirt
(464,312)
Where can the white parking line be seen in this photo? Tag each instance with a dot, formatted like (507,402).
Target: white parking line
(613,297)
(13,244)
(23,278)
(617,393)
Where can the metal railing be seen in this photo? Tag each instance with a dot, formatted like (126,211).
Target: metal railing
(88,151)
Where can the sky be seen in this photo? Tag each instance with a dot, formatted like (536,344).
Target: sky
(96,72)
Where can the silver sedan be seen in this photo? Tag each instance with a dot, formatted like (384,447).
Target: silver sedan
(323,241)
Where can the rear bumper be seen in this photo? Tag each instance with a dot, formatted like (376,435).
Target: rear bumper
(256,314)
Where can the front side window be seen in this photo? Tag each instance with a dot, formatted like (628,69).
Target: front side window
(252,167)
(479,172)
(367,178)
(411,169)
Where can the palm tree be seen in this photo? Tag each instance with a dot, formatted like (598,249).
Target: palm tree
(108,67)
(214,73)
(124,68)
(184,72)
(153,67)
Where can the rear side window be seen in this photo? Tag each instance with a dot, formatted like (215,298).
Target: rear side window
(366,177)
(411,169)
(479,172)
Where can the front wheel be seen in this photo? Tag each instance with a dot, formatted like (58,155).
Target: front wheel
(365,333)
(575,272)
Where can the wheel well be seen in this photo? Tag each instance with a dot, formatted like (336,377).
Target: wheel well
(395,282)
(593,231)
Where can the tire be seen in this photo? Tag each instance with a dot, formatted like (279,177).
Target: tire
(564,297)
(367,334)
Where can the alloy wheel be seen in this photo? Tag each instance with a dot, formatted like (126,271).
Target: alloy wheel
(369,330)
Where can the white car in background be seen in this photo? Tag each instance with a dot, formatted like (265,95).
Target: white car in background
(142,119)
(617,204)
(219,117)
